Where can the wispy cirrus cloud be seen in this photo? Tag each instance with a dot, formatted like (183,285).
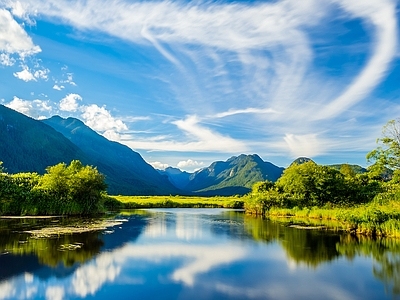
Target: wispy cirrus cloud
(382,16)
(250,110)
(251,66)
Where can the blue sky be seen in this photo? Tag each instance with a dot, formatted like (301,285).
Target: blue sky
(188,83)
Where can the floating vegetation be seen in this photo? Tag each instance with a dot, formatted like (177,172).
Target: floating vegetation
(308,227)
(70,247)
(72,229)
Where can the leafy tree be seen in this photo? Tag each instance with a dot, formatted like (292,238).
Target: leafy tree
(347,171)
(86,186)
(262,186)
(387,154)
(76,187)
(55,182)
(310,184)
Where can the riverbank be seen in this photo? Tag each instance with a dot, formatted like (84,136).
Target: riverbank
(371,219)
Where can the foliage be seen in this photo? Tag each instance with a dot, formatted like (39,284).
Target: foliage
(72,189)
(387,154)
(308,185)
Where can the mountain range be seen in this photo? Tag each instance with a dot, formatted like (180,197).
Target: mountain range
(234,176)
(29,145)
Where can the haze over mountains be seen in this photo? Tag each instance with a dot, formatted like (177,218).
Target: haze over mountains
(28,145)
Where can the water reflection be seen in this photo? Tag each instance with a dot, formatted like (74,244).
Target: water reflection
(302,246)
(202,254)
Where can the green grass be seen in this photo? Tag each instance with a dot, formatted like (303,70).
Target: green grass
(179,201)
(372,219)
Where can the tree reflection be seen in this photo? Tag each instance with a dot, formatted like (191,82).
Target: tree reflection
(386,254)
(66,249)
(20,252)
(309,247)
(313,247)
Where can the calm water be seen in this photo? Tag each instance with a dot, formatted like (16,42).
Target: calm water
(194,254)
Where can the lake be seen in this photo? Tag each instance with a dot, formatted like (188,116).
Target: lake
(193,254)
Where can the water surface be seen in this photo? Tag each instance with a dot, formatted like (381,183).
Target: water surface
(194,254)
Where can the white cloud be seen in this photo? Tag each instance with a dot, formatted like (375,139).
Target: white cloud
(206,139)
(25,75)
(34,108)
(28,75)
(269,44)
(158,165)
(13,38)
(70,102)
(185,164)
(308,145)
(250,110)
(69,79)
(100,119)
(42,74)
(58,87)
(6,59)
(112,135)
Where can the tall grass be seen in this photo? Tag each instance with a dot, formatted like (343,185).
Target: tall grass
(373,219)
(129,202)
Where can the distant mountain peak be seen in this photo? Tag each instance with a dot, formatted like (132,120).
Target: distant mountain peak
(233,176)
(301,160)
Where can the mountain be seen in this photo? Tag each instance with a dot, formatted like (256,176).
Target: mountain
(27,145)
(301,160)
(125,170)
(178,178)
(234,176)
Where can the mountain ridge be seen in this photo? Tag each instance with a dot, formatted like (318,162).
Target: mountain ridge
(124,168)
(29,145)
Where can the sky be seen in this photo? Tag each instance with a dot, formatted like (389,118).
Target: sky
(187,83)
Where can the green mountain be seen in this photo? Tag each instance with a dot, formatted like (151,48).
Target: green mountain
(126,171)
(27,145)
(234,176)
(301,160)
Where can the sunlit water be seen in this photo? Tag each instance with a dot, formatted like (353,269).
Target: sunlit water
(195,254)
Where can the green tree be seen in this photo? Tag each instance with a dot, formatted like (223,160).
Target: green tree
(86,187)
(76,188)
(347,171)
(262,186)
(55,182)
(310,184)
(387,154)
